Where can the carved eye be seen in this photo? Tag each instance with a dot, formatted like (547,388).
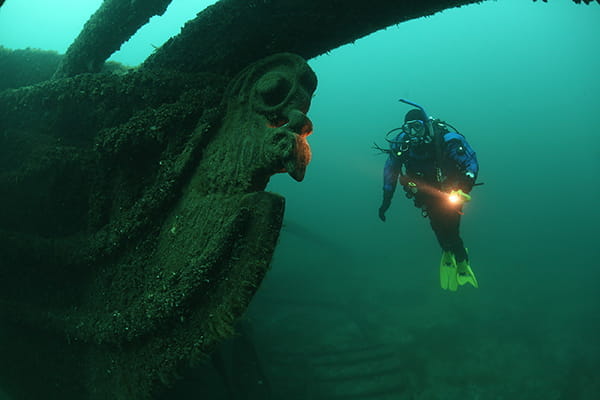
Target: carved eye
(308,80)
(273,88)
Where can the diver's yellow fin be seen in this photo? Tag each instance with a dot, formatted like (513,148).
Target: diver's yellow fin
(465,274)
(448,275)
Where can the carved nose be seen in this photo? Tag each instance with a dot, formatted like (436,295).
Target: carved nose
(299,123)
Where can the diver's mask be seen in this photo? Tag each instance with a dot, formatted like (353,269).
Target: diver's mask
(416,132)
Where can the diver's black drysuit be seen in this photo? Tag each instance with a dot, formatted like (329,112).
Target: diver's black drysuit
(459,168)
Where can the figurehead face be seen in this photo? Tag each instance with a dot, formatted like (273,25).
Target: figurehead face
(265,128)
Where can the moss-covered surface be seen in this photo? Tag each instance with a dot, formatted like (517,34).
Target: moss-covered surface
(233,33)
(25,67)
(133,224)
(108,28)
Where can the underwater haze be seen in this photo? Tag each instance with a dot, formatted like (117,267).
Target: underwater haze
(352,307)
(520,80)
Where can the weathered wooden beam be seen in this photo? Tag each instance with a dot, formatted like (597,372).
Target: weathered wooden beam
(104,33)
(232,33)
(578,1)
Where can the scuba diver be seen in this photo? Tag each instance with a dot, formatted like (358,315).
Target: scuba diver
(437,169)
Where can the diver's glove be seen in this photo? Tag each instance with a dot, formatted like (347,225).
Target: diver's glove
(382,213)
(468,182)
(387,200)
(463,182)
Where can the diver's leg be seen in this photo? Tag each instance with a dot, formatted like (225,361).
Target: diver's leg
(443,231)
(445,223)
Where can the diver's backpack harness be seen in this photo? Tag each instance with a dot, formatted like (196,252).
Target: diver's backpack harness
(437,140)
(438,130)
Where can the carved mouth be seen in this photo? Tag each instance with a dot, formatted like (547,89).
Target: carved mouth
(298,159)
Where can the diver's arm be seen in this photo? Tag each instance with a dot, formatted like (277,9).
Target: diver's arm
(390,180)
(465,158)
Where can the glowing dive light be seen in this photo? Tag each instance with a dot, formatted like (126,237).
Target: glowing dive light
(458,197)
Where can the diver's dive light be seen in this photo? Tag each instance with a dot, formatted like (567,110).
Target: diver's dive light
(458,197)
